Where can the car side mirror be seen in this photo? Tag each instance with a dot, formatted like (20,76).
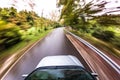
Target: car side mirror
(24,75)
(94,74)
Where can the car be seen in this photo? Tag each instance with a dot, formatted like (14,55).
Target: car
(61,67)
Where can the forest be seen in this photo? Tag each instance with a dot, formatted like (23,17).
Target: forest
(93,22)
(17,26)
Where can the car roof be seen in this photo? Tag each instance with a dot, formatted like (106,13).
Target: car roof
(59,60)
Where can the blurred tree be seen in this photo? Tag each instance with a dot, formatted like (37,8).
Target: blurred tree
(13,12)
(76,12)
(4,13)
(9,37)
(107,20)
(13,22)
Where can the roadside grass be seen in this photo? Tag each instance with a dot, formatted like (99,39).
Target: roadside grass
(28,41)
(105,46)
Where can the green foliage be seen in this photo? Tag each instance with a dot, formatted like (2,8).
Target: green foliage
(2,22)
(9,37)
(76,12)
(24,19)
(14,26)
(7,13)
(107,20)
(116,41)
(30,20)
(104,35)
(68,12)
(82,17)
(21,18)
(56,25)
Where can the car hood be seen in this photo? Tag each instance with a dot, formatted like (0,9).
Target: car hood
(60,60)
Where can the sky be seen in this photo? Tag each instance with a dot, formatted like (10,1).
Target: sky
(45,6)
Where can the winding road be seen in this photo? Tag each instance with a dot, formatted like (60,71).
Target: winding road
(56,43)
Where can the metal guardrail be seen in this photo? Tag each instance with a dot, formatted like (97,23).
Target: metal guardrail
(100,53)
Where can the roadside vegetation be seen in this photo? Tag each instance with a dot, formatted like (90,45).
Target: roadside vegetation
(86,20)
(20,29)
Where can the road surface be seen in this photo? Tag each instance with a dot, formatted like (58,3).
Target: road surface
(55,43)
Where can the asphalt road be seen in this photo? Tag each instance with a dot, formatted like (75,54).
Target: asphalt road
(55,43)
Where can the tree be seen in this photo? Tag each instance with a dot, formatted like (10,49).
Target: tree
(78,11)
(4,13)
(9,37)
(67,12)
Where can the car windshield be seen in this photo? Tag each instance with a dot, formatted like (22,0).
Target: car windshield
(60,73)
